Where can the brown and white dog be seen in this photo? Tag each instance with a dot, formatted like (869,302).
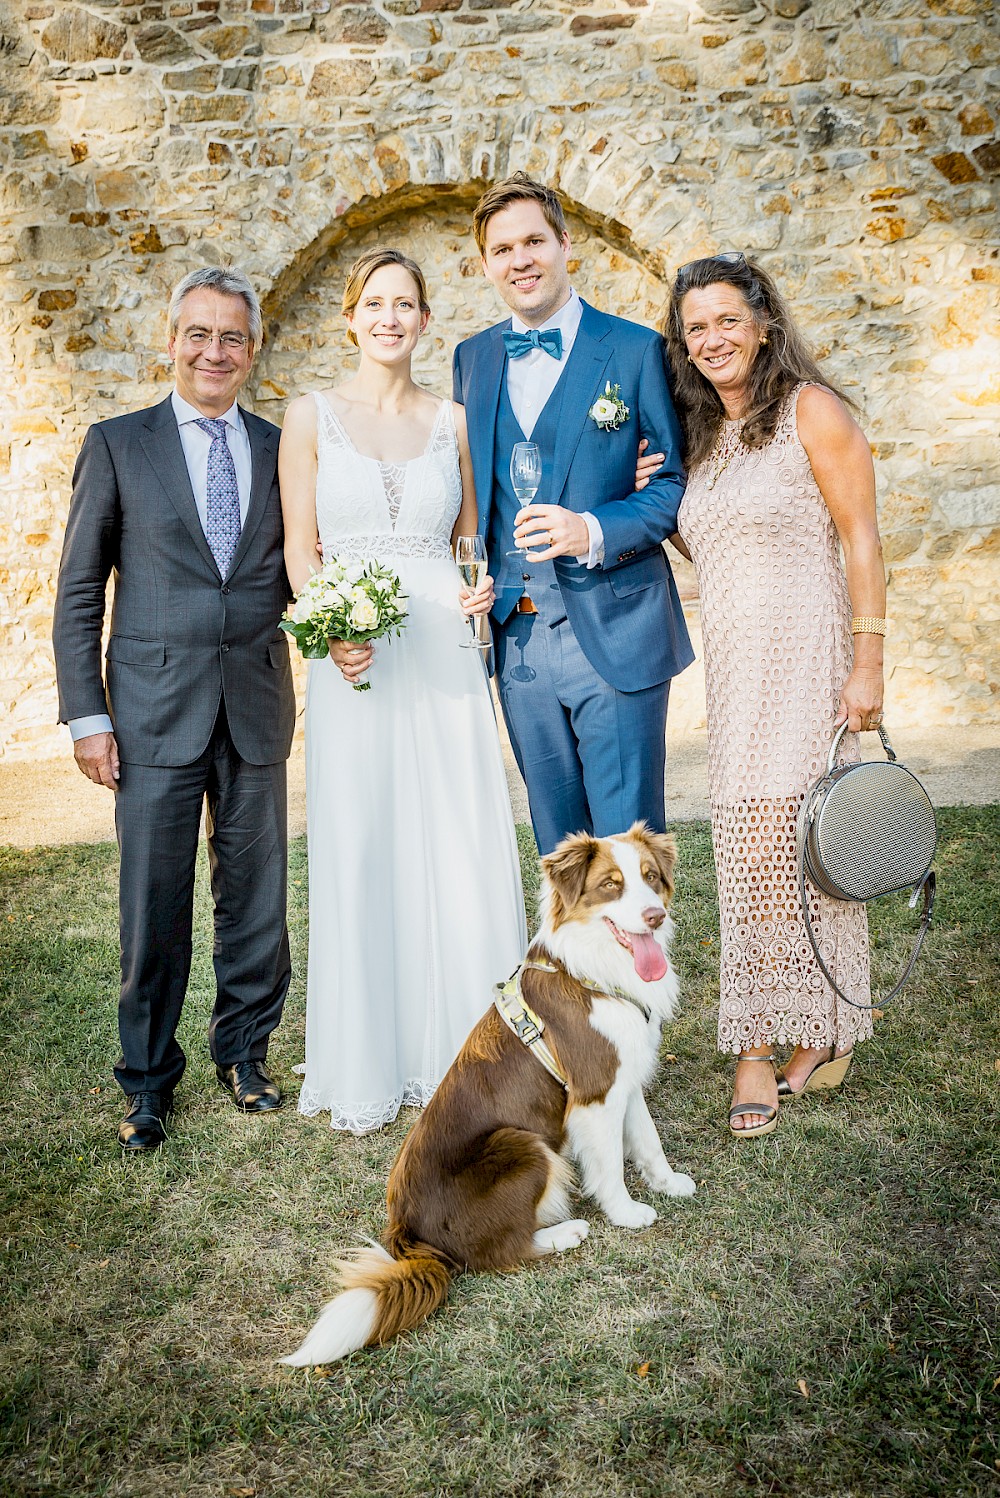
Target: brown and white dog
(482,1180)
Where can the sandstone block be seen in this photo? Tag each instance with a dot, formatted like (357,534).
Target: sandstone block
(227,41)
(975,120)
(74,35)
(357,25)
(27,105)
(159,43)
(586,25)
(863,55)
(391,158)
(57,299)
(338,78)
(65,243)
(806,64)
(955,166)
(987,158)
(194,107)
(193,80)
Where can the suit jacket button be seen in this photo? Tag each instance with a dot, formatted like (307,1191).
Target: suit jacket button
(227,590)
(225,649)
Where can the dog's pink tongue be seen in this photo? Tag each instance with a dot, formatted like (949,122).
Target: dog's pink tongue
(647,954)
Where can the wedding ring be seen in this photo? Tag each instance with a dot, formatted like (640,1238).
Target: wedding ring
(551,542)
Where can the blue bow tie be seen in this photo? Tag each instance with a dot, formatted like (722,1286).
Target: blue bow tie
(519,344)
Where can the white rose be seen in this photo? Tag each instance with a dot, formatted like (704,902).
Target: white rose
(353,570)
(603,409)
(364,614)
(303,608)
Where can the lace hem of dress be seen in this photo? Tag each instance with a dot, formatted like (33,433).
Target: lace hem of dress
(380,546)
(366,1118)
(771,990)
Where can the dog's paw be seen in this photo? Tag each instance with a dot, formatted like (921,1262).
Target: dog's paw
(634,1215)
(561,1236)
(670,1183)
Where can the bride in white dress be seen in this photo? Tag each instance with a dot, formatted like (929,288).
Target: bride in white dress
(415,902)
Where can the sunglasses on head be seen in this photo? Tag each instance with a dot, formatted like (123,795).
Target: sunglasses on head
(732,258)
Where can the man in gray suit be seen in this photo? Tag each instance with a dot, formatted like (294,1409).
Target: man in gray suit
(196,703)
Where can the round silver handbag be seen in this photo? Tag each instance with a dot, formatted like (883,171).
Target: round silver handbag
(866,830)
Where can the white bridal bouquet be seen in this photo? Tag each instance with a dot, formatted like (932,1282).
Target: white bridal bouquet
(350,601)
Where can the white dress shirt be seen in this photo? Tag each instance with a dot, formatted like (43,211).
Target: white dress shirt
(196,444)
(532,379)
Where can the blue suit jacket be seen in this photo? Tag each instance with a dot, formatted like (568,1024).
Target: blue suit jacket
(625,614)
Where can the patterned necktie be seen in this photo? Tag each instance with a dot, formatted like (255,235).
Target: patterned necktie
(519,344)
(222,518)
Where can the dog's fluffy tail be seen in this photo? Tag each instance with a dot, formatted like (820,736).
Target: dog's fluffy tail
(381,1297)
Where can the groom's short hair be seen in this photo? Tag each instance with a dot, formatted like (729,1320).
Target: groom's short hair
(517,189)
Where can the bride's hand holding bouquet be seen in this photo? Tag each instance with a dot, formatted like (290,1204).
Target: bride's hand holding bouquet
(341,610)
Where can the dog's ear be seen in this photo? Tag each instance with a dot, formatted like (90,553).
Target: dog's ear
(662,847)
(566,870)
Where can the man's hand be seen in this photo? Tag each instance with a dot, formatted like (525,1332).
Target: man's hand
(646,464)
(97,756)
(561,531)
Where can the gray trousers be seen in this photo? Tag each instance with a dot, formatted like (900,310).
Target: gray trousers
(157,815)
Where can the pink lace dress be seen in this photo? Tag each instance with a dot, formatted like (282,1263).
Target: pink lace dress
(776,628)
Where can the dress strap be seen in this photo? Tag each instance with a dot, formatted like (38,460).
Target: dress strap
(328,428)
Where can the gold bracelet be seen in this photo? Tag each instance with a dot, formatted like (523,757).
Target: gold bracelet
(866,624)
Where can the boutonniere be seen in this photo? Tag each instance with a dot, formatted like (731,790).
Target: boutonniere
(609,410)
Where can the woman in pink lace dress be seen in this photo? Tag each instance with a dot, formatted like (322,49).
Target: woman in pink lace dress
(781,482)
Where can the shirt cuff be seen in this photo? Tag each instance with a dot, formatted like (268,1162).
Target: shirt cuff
(595,556)
(80,728)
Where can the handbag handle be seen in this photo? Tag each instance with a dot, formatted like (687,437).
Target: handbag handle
(928,884)
(838,737)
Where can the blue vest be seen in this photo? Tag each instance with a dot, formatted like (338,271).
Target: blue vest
(543,585)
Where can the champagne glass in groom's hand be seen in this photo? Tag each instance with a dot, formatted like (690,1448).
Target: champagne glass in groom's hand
(525,477)
(470,554)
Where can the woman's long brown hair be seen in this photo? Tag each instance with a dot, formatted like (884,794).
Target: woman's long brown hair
(783,362)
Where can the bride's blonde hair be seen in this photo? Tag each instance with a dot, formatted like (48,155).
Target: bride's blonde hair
(366,265)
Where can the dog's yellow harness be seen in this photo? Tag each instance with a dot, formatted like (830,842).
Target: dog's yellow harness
(525,1023)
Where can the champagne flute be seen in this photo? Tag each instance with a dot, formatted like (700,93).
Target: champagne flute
(525,477)
(470,554)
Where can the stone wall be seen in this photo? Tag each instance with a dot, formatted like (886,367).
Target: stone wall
(853,147)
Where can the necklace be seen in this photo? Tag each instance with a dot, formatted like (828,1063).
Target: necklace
(725,451)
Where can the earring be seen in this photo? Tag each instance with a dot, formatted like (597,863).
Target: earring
(764,339)
(690,360)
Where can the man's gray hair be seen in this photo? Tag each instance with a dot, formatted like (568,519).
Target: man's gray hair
(228,282)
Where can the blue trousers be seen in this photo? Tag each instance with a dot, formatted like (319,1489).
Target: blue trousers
(591,757)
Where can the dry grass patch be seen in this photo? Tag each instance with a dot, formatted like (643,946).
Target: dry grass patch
(820,1319)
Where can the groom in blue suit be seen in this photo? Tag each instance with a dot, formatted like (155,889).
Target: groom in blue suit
(588,628)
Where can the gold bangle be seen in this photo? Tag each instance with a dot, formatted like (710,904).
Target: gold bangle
(866,624)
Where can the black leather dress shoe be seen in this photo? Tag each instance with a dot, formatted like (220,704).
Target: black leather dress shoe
(144,1124)
(250,1087)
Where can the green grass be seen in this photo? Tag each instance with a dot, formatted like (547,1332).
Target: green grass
(820,1319)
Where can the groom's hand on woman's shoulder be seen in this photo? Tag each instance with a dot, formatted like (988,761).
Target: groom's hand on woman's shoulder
(97,756)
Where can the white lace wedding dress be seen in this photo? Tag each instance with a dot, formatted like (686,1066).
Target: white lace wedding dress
(415,903)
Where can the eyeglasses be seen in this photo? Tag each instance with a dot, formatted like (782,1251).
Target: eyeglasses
(733,258)
(232,342)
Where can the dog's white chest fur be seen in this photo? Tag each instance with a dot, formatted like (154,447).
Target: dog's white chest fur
(603,931)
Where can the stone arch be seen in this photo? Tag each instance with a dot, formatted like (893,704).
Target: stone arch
(626,215)
(306,345)
(307,348)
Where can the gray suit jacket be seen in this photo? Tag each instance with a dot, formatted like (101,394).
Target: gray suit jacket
(181,637)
